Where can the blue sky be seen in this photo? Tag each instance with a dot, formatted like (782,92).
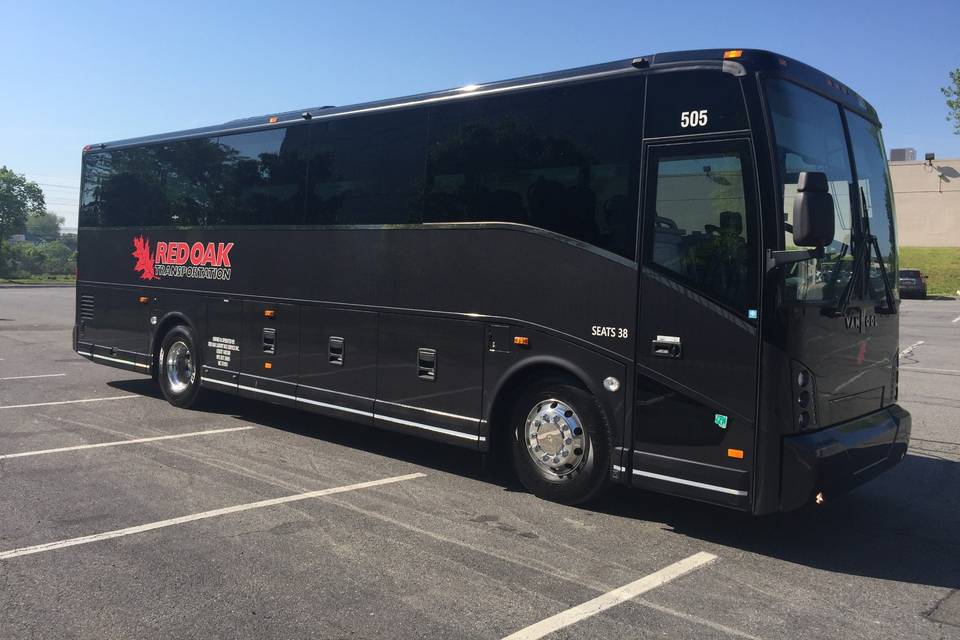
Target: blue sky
(74,73)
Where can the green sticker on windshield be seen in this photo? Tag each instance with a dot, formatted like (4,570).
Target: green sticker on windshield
(720,420)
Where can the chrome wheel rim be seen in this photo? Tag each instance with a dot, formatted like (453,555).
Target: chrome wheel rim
(555,438)
(179,367)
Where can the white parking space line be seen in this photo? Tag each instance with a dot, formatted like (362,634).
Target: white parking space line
(612,598)
(50,404)
(115,443)
(45,375)
(955,320)
(928,370)
(912,347)
(150,526)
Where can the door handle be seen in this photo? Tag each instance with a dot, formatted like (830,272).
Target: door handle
(335,351)
(666,347)
(427,364)
(269,340)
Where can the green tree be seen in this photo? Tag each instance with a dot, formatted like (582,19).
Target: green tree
(19,198)
(56,258)
(45,226)
(952,93)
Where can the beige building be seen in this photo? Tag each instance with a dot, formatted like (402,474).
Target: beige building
(928,202)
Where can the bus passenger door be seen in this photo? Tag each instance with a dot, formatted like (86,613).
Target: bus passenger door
(270,351)
(430,377)
(698,329)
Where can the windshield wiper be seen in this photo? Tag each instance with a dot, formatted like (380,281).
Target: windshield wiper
(861,260)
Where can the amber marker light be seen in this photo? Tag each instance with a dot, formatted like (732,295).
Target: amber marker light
(522,341)
(269,313)
(268,365)
(273,120)
(733,54)
(143,299)
(735,453)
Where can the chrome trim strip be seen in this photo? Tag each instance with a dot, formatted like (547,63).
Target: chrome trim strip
(264,391)
(376,416)
(339,393)
(690,483)
(433,411)
(702,464)
(418,425)
(232,385)
(130,362)
(369,414)
(250,375)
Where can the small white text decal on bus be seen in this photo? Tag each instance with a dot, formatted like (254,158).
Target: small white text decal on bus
(609,332)
(224,347)
(693,118)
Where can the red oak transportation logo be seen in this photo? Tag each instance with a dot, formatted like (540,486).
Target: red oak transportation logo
(206,261)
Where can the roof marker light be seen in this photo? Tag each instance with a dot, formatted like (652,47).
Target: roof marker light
(273,120)
(732,54)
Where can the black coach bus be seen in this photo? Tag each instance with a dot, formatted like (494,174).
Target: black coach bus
(675,272)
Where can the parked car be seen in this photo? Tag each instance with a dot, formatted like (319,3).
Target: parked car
(913,283)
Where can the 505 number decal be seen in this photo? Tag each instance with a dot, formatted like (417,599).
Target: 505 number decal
(693,118)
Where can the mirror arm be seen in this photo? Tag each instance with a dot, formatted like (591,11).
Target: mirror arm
(779,258)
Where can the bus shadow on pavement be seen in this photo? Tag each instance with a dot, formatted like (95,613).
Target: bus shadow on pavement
(902,526)
(405,447)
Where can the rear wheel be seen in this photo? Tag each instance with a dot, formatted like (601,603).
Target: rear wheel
(561,443)
(179,367)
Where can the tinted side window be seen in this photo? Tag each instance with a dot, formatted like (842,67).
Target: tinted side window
(701,224)
(251,178)
(123,188)
(260,177)
(191,178)
(561,159)
(367,169)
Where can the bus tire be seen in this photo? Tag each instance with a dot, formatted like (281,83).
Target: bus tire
(178,367)
(561,443)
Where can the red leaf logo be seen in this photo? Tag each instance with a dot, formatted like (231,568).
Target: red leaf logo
(144,264)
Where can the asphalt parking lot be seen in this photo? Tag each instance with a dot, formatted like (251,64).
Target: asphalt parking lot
(248,520)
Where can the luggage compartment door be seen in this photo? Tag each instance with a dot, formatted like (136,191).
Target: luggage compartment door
(430,377)
(338,362)
(270,351)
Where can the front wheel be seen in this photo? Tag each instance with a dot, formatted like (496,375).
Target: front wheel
(561,443)
(179,367)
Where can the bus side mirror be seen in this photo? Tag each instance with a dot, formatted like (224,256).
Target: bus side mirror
(813,215)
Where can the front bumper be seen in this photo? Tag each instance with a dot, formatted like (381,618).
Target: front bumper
(838,458)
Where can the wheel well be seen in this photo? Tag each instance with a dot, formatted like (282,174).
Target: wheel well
(165,325)
(511,388)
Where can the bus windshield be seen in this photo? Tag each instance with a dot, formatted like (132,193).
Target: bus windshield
(809,135)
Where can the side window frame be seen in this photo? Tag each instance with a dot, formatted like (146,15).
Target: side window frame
(664,150)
